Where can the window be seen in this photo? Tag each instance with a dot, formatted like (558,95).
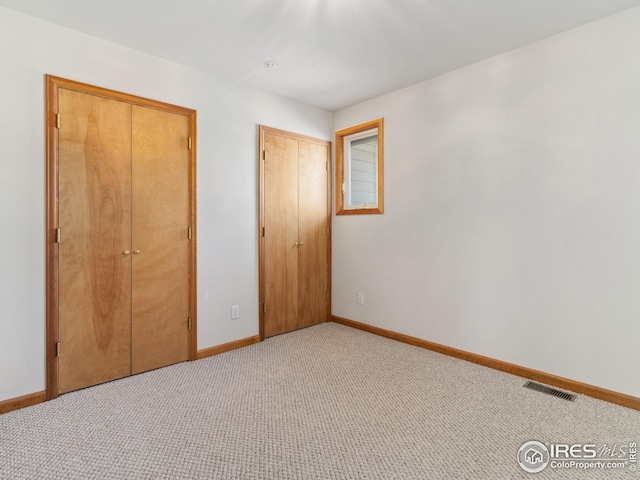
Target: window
(359,180)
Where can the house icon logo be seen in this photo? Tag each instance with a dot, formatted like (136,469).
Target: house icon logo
(533,456)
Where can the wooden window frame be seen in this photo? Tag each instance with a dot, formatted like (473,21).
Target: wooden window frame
(341,208)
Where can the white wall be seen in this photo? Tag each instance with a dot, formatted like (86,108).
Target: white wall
(228,116)
(512,209)
(512,199)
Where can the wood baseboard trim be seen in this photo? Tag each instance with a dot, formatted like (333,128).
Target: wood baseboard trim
(22,402)
(528,373)
(225,347)
(39,397)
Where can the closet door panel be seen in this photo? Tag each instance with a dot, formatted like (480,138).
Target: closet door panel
(160,244)
(281,234)
(313,221)
(94,181)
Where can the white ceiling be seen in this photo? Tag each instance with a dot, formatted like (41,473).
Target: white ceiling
(332,53)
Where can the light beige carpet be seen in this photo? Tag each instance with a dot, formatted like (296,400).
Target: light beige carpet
(327,402)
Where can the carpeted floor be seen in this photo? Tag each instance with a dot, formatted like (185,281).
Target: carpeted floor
(326,402)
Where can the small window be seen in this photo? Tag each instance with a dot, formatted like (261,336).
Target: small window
(359,181)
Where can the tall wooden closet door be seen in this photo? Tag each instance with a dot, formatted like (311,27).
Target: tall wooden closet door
(313,273)
(295,244)
(281,234)
(160,241)
(94,178)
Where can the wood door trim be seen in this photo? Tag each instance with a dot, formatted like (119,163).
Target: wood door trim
(60,82)
(193,265)
(295,136)
(52,85)
(52,245)
(262,131)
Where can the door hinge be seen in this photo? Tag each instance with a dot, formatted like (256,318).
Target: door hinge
(57,349)
(326,165)
(189,233)
(58,235)
(264,307)
(189,322)
(190,143)
(57,120)
(264,154)
(327,294)
(327,230)
(263,231)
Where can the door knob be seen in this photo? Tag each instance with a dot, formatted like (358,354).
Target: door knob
(136,252)
(301,243)
(126,252)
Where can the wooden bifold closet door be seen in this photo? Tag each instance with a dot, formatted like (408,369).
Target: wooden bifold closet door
(295,234)
(124,239)
(95,218)
(160,239)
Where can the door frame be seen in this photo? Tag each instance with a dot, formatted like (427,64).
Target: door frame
(52,86)
(262,131)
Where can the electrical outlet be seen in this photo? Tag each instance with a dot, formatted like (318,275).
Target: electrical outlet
(235,312)
(360,298)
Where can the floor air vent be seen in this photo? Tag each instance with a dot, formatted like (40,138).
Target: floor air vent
(538,387)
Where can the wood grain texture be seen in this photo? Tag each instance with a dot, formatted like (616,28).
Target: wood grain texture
(531,374)
(95,218)
(281,237)
(55,85)
(303,232)
(22,402)
(67,84)
(262,132)
(291,135)
(225,347)
(313,254)
(193,257)
(52,267)
(161,218)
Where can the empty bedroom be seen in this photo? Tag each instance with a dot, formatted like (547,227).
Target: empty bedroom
(319,239)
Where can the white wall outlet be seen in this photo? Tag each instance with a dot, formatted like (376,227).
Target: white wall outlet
(235,312)
(360,298)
